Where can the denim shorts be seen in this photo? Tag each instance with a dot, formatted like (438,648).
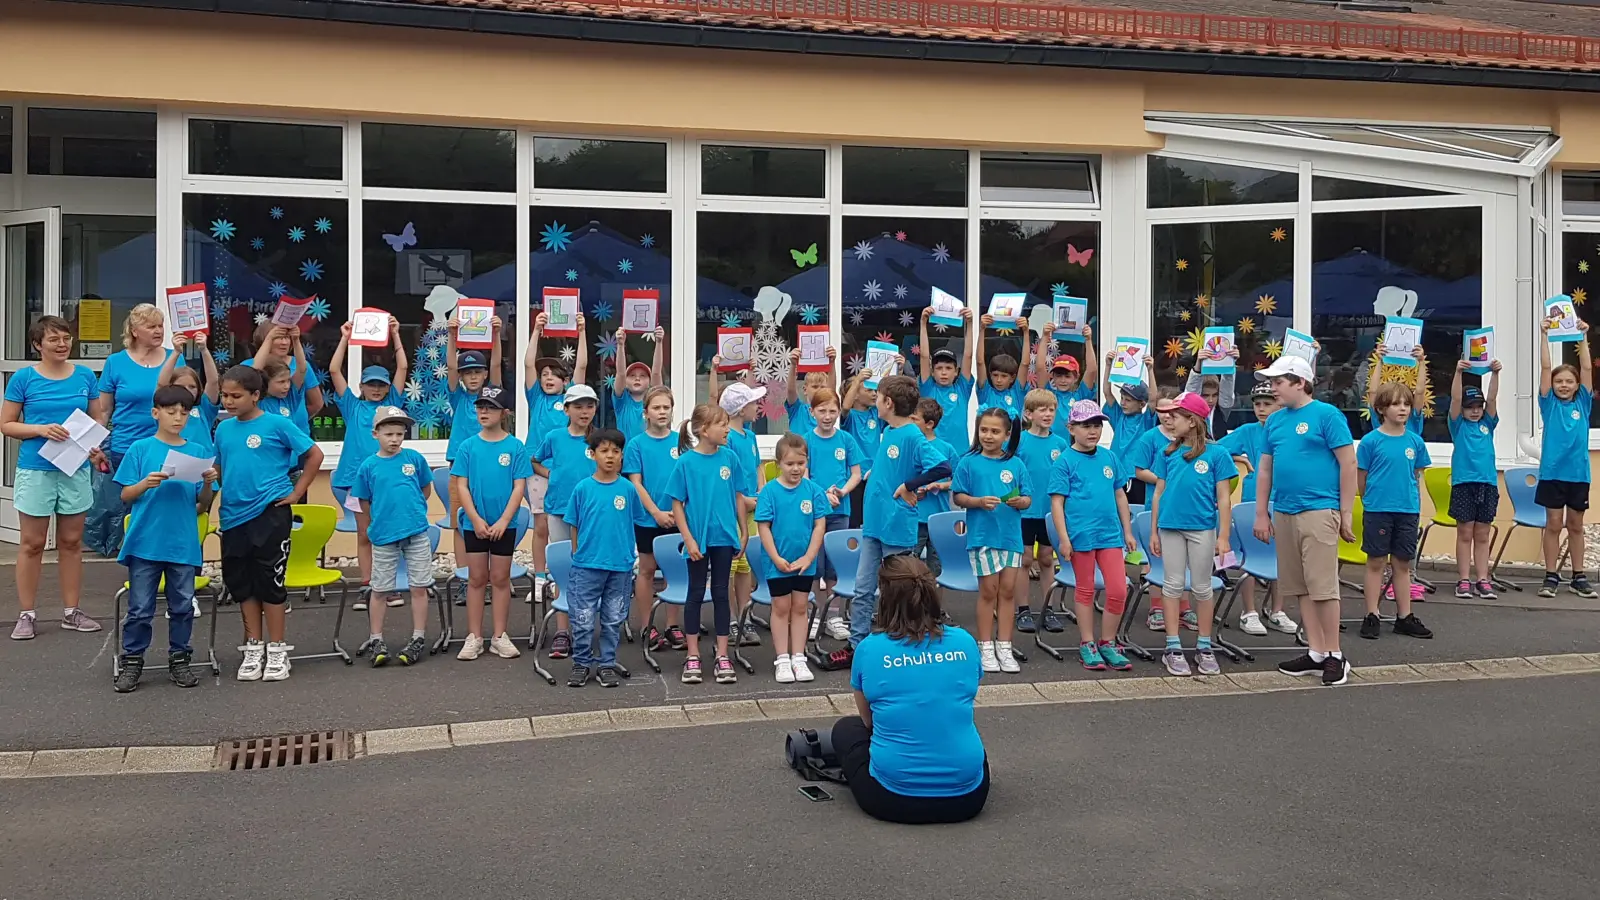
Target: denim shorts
(415,552)
(42,494)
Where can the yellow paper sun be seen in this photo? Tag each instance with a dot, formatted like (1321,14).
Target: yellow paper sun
(1185,315)
(1278,234)
(1247,325)
(1579,295)
(1202,301)
(1194,341)
(1174,348)
(1273,349)
(1583,266)
(1183,265)
(1266,304)
(1401,375)
(1183,371)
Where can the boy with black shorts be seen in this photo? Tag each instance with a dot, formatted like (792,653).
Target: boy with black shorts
(1474,483)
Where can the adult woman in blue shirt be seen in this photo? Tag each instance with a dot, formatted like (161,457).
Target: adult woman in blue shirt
(913,755)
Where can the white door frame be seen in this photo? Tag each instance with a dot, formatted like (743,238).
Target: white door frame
(50,218)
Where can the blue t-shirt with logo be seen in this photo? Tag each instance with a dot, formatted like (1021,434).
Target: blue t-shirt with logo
(132,387)
(1089,481)
(463,420)
(47,401)
(1189,501)
(1040,454)
(162,524)
(954,399)
(294,405)
(202,421)
(1392,462)
(801,421)
(1301,443)
(707,486)
(491,470)
(1009,399)
(652,459)
(1142,455)
(1126,429)
(1064,401)
(256,457)
(397,489)
(793,513)
(903,454)
(932,503)
(977,475)
(630,414)
(545,411)
(743,446)
(603,514)
(569,460)
(831,459)
(924,741)
(1246,441)
(865,427)
(1564,455)
(1472,456)
(359,444)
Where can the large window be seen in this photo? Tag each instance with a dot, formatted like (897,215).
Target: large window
(95,143)
(438,158)
(1043,259)
(892,176)
(763,171)
(5,140)
(891,266)
(266,149)
(1580,278)
(584,165)
(108,261)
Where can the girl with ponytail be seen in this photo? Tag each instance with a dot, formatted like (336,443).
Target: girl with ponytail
(705,502)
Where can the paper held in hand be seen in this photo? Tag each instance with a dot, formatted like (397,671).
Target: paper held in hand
(369,327)
(474,329)
(1401,335)
(946,309)
(1298,343)
(736,346)
(813,341)
(290,311)
(1071,314)
(83,434)
(1007,308)
(1214,349)
(561,311)
(187,312)
(183,467)
(1127,360)
(1477,348)
(640,309)
(880,362)
(1561,318)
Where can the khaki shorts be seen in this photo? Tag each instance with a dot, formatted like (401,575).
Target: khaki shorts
(537,486)
(1308,553)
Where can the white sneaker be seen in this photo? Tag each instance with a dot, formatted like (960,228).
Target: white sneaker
(538,589)
(500,645)
(987,657)
(471,648)
(277,662)
(1250,623)
(196,608)
(802,671)
(785,669)
(1008,663)
(396,600)
(1280,620)
(361,603)
(837,629)
(250,669)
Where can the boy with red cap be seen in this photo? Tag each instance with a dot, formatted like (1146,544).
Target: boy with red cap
(1065,377)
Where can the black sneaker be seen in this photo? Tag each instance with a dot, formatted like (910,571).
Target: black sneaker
(579,676)
(561,647)
(127,680)
(608,677)
(1335,671)
(179,670)
(1580,586)
(414,652)
(379,651)
(1052,622)
(1370,627)
(1552,583)
(1301,665)
(1411,626)
(1463,590)
(676,638)
(1025,622)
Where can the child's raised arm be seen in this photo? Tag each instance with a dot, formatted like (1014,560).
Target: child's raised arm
(852,389)
(656,378)
(168,365)
(1091,360)
(530,365)
(984,322)
(1042,377)
(213,379)
(966,344)
(1585,366)
(1492,395)
(580,368)
(1027,345)
(617,384)
(1455,389)
(336,361)
(1544,360)
(1419,396)
(712,387)
(927,346)
(792,393)
(496,354)
(402,366)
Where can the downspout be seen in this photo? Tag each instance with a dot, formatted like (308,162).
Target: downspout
(1533,220)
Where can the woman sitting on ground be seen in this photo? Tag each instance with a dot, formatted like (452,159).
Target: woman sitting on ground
(913,755)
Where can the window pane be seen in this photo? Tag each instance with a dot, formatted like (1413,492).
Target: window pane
(5,140)
(633,166)
(106,259)
(1580,278)
(764,271)
(763,171)
(1424,263)
(603,252)
(1036,177)
(91,142)
(903,177)
(1042,259)
(1349,189)
(1209,274)
(266,149)
(459,250)
(23,246)
(1580,194)
(440,158)
(252,251)
(890,269)
(1187,182)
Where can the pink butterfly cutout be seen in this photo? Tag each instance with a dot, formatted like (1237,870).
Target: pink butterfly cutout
(1079,257)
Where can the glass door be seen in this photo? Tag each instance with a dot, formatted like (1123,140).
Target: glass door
(30,287)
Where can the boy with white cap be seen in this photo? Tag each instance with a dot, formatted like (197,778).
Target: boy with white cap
(392,487)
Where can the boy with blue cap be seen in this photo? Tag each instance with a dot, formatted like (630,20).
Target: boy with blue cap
(359,408)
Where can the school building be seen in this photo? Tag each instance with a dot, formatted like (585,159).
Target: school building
(773,163)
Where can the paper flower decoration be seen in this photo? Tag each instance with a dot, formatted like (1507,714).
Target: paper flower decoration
(1202,301)
(1185,315)
(1174,348)
(1183,265)
(1246,325)
(555,237)
(1579,295)
(1583,266)
(1266,304)
(884,336)
(810,314)
(1183,371)
(1273,349)
(1278,234)
(223,230)
(731,320)
(854,363)
(941,253)
(1195,340)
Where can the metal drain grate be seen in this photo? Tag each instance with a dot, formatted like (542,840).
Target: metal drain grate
(284,750)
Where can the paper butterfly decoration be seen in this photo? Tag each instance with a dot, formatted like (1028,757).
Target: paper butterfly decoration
(809,257)
(406,238)
(1079,257)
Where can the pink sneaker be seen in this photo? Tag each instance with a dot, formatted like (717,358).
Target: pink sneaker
(77,621)
(1418,592)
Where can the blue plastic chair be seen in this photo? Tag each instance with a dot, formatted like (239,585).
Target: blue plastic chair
(347,516)
(673,564)
(844,553)
(956,567)
(1521,485)
(760,571)
(441,489)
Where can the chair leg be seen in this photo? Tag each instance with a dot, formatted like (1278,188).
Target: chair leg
(649,659)
(1039,633)
(442,605)
(1130,614)
(744,621)
(543,626)
(116,612)
(1219,621)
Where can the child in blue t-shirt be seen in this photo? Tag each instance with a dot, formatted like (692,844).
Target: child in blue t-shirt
(1245,443)
(706,503)
(547,379)
(1190,521)
(837,462)
(1141,461)
(162,540)
(862,422)
(1001,383)
(256,452)
(563,458)
(638,377)
(1064,377)
(797,398)
(299,395)
(993,486)
(648,461)
(358,408)
(1039,447)
(1474,481)
(466,373)
(203,417)
(791,515)
(392,487)
(949,382)
(1127,410)
(742,403)
(1566,400)
(1389,464)
(600,513)
(931,498)
(489,479)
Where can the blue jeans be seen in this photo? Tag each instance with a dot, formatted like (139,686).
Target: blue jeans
(603,595)
(102,526)
(865,602)
(144,580)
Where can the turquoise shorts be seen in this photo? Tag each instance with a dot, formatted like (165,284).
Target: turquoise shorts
(42,494)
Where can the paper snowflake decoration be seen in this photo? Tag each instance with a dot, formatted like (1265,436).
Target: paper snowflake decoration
(731,320)
(1182,371)
(220,282)
(258,244)
(218,311)
(572,275)
(862,250)
(884,336)
(441,401)
(854,362)
(941,253)
(318,309)
(1278,234)
(624,266)
(1183,265)
(429,417)
(276,212)
(311,270)
(1185,315)
(222,229)
(1266,304)
(311,354)
(606,347)
(872,290)
(413,390)
(856,318)
(277,289)
(809,314)
(260,317)
(647,240)
(1579,295)
(601,311)
(555,237)
(906,320)
(323,225)
(1272,349)
(1174,348)
(568,353)
(649,336)
(916,350)
(899,235)
(1583,266)
(941,327)
(1247,325)
(222,357)
(1060,287)
(297,234)
(1202,301)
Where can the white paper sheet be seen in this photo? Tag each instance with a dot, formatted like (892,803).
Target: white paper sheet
(64,455)
(183,467)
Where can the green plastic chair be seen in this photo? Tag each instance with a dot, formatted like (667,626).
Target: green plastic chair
(313,527)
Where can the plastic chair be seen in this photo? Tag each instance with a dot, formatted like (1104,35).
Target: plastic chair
(760,594)
(1137,557)
(673,564)
(843,549)
(313,527)
(1521,486)
(202,585)
(441,489)
(1153,579)
(347,516)
(946,532)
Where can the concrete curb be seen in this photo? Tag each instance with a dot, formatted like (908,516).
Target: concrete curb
(802,707)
